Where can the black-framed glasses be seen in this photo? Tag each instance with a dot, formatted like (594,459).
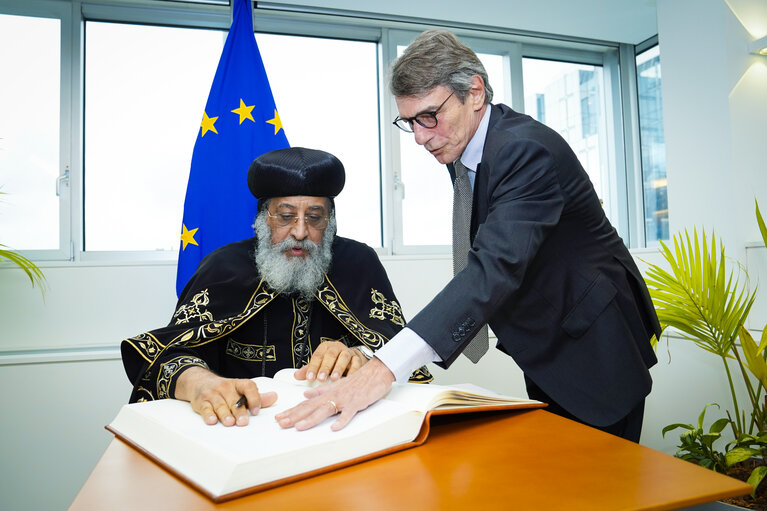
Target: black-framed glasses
(288,219)
(426,119)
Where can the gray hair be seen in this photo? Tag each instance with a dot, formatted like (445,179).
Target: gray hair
(434,58)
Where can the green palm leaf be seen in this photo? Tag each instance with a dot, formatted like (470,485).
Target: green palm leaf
(697,296)
(760,221)
(34,273)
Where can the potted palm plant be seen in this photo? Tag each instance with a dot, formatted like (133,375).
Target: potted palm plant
(708,305)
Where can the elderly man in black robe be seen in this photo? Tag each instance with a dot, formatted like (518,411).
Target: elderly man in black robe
(296,295)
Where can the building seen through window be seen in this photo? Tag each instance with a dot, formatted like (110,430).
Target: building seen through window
(568,98)
(653,146)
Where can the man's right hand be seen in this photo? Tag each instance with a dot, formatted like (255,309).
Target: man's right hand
(331,360)
(346,396)
(215,398)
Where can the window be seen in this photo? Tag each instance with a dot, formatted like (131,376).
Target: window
(332,104)
(109,116)
(146,89)
(568,98)
(653,146)
(29,132)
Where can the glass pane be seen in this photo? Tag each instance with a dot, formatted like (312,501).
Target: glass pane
(332,104)
(568,98)
(653,146)
(145,89)
(29,132)
(428,203)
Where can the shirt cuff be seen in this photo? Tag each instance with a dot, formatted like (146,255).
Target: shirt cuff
(406,352)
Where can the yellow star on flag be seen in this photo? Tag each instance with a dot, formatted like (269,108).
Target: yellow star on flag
(208,123)
(244,111)
(277,122)
(187,236)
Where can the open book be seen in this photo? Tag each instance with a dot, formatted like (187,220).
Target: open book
(227,462)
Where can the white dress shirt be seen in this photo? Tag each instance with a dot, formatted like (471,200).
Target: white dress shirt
(407,351)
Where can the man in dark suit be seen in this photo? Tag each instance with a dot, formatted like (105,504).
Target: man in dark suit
(545,268)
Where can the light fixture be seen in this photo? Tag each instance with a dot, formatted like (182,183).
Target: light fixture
(758,46)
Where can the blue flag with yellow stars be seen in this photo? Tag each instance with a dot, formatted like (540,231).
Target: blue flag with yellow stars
(240,122)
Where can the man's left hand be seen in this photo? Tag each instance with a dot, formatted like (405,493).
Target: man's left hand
(347,396)
(331,359)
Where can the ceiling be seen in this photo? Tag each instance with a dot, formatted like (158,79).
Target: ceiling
(625,21)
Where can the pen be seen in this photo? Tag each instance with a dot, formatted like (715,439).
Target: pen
(241,402)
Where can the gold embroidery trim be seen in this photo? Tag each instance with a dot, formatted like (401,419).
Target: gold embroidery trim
(329,297)
(421,375)
(384,308)
(195,309)
(169,369)
(342,339)
(300,346)
(146,345)
(214,330)
(250,352)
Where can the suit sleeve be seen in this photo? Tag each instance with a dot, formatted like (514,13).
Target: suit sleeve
(525,204)
(369,293)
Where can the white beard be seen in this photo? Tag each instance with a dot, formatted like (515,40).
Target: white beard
(293,275)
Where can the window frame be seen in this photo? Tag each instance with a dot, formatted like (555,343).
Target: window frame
(51,9)
(616,60)
(639,49)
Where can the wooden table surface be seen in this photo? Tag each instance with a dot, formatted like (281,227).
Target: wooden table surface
(514,459)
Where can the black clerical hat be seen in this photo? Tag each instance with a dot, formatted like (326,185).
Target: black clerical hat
(296,171)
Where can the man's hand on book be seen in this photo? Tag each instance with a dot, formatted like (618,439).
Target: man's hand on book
(331,358)
(221,399)
(347,397)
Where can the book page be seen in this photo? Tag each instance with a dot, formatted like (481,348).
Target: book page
(428,397)
(414,396)
(264,437)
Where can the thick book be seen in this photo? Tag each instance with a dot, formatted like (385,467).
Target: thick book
(227,462)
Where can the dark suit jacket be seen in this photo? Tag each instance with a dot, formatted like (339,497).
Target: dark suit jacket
(550,275)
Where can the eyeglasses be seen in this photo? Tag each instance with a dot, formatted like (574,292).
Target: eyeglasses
(426,119)
(287,219)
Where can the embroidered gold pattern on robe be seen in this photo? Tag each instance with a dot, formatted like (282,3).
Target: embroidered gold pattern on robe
(210,331)
(216,329)
(147,346)
(150,348)
(250,352)
(384,308)
(328,296)
(344,339)
(299,337)
(195,309)
(172,367)
(421,375)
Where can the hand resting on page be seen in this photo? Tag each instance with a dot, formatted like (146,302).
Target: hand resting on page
(331,359)
(346,396)
(229,400)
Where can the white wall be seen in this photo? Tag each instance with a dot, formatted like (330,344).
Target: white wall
(56,402)
(715,115)
(715,108)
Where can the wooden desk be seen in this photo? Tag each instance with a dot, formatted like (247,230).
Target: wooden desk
(515,459)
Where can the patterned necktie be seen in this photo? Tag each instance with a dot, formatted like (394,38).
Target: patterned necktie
(462,198)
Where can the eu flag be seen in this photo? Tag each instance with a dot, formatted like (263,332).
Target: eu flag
(240,122)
